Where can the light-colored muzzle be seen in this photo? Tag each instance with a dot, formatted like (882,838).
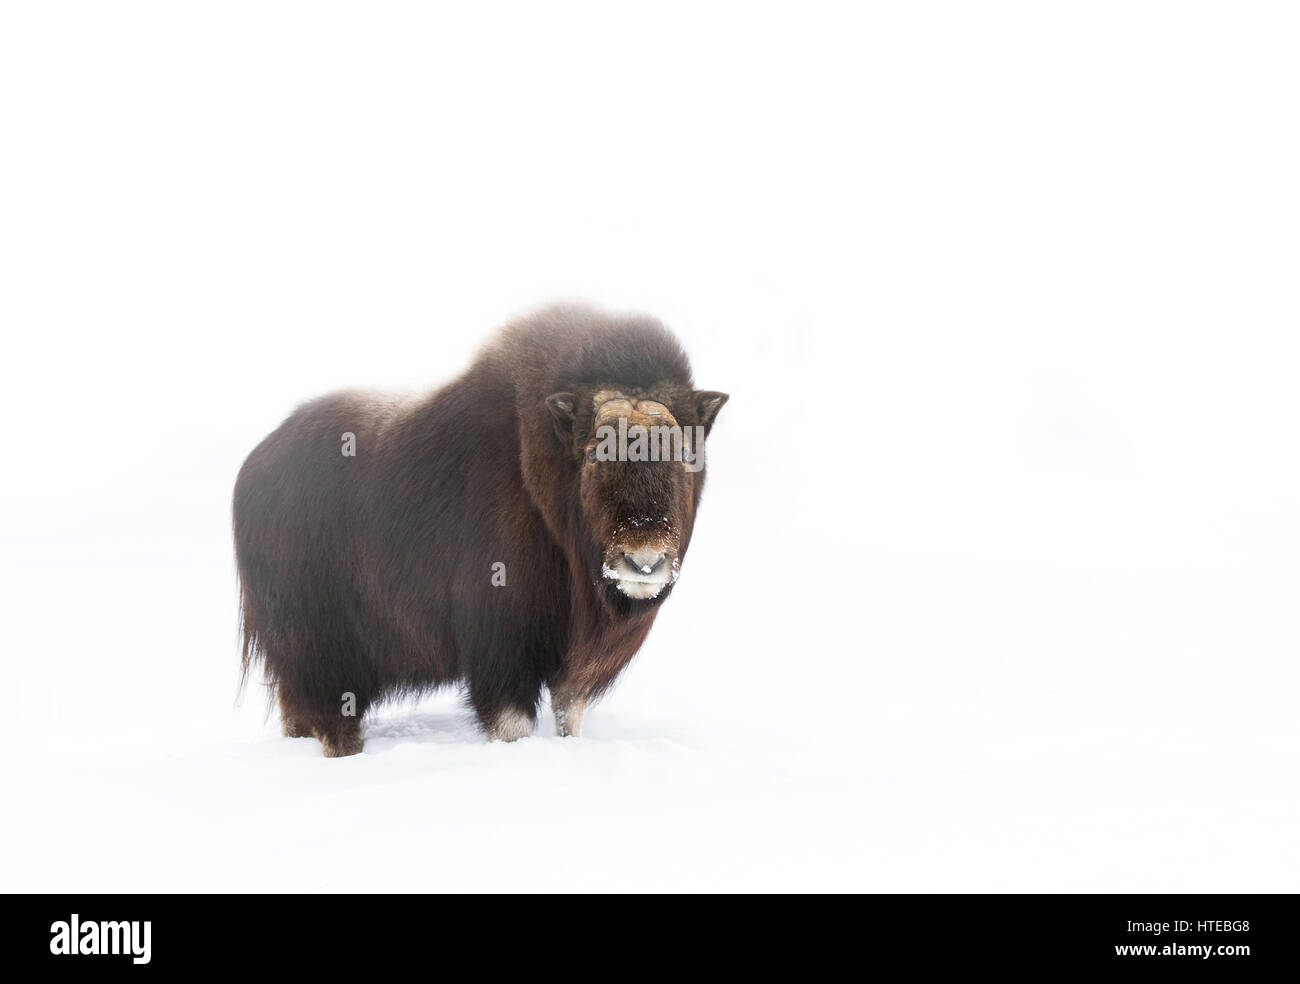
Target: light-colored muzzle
(643,567)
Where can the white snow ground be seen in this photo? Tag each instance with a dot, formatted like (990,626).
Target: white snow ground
(994,585)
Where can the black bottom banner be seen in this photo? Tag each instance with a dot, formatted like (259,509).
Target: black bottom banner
(133,935)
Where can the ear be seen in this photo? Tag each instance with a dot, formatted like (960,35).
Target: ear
(562,406)
(707,405)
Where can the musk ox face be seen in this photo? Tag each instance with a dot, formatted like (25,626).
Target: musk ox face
(639,471)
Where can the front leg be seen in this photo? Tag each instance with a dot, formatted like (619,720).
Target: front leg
(505,715)
(568,714)
(508,724)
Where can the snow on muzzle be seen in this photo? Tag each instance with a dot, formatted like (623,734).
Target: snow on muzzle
(642,566)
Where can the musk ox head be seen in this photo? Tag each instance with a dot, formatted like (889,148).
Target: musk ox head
(640,470)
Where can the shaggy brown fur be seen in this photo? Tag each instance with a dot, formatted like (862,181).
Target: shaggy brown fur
(371,575)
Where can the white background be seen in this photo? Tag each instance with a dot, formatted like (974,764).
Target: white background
(995,582)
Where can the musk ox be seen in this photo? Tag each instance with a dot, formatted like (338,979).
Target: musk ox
(479,534)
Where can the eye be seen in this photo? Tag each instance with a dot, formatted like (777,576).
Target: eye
(591,454)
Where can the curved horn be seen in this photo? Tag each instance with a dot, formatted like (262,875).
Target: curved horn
(647,413)
(613,408)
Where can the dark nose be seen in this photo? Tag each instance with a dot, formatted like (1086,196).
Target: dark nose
(644,561)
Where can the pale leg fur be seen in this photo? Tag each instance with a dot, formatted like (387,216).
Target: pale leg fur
(510,726)
(568,715)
